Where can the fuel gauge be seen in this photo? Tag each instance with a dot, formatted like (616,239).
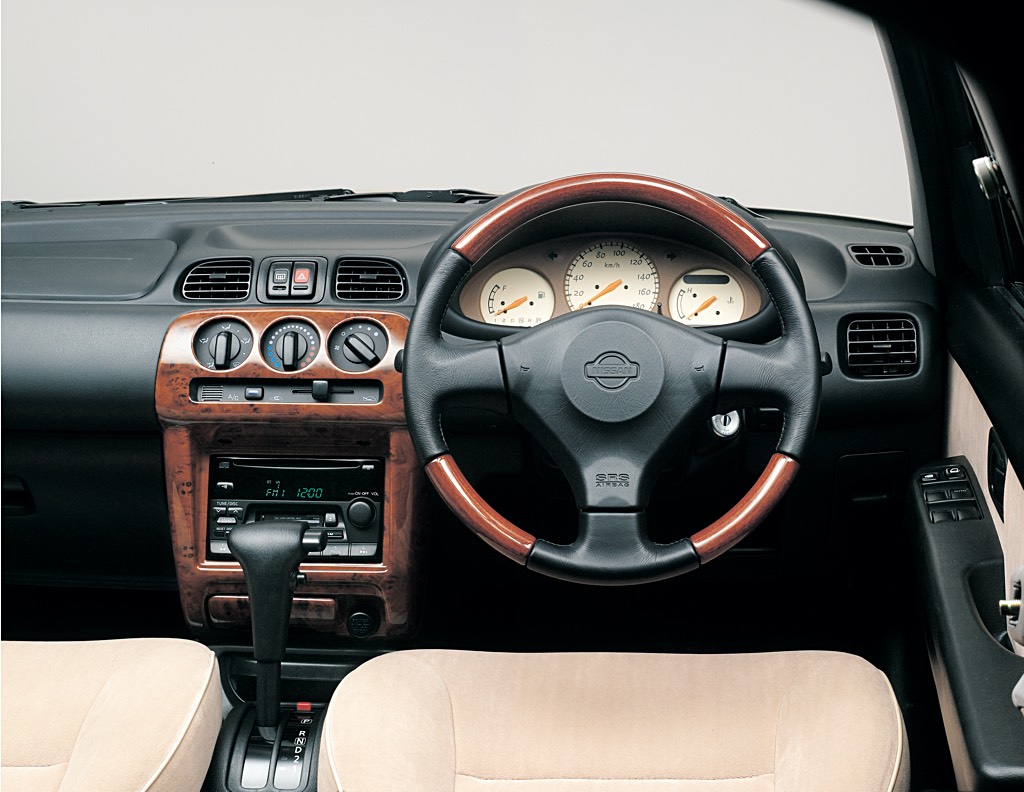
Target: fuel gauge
(516,297)
(705,297)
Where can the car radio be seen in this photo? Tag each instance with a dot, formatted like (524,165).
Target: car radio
(344,497)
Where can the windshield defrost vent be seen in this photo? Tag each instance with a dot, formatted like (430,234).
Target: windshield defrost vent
(218,280)
(879,255)
(369,280)
(882,347)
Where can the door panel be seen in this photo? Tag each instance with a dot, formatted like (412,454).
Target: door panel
(967,431)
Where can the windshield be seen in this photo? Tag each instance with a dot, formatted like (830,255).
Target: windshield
(783,105)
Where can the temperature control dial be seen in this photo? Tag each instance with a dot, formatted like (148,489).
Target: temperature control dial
(222,344)
(290,346)
(357,346)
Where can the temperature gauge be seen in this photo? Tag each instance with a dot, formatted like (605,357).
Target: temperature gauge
(706,297)
(516,297)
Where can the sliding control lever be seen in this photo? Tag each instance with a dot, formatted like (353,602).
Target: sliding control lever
(269,553)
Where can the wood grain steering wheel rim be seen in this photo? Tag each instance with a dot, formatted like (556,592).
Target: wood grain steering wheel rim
(508,214)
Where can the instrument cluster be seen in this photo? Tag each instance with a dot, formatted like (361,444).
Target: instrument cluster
(538,282)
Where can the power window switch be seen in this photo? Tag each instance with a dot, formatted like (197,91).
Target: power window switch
(929,478)
(942,515)
(955,472)
(968,513)
(933,495)
(961,493)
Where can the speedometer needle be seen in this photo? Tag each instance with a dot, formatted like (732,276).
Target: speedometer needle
(606,290)
(511,305)
(703,305)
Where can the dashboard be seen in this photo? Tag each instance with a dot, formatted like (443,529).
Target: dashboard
(171,391)
(548,279)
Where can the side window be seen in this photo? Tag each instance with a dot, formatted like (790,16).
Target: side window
(1003,215)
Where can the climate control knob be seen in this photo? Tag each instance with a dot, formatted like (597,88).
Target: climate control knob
(222,344)
(357,346)
(290,345)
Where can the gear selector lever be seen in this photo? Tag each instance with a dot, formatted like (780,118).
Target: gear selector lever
(269,553)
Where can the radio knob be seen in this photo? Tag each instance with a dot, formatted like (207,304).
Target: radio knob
(361,512)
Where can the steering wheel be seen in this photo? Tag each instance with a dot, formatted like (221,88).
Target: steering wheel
(610,392)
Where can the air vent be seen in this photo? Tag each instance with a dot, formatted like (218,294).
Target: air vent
(218,280)
(881,347)
(879,255)
(369,280)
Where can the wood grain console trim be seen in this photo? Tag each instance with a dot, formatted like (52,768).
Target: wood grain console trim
(178,367)
(746,515)
(392,583)
(470,507)
(573,190)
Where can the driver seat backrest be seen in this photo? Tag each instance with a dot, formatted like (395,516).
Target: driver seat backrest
(432,720)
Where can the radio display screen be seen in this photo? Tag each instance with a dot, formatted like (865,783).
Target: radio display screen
(291,479)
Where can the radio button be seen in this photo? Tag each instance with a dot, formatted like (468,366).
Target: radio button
(363,550)
(335,551)
(330,520)
(227,521)
(219,547)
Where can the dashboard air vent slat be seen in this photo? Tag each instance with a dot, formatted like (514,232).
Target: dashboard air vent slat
(879,255)
(369,280)
(883,347)
(225,279)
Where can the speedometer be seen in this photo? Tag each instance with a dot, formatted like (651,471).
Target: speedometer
(611,272)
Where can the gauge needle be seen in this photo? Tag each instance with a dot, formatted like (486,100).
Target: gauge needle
(606,290)
(511,305)
(703,305)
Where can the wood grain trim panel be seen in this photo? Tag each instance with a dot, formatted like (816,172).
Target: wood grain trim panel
(746,515)
(573,190)
(233,610)
(178,367)
(468,505)
(393,583)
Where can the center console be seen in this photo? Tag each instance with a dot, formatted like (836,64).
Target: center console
(271,415)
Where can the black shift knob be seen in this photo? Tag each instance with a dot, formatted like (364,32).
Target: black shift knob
(269,553)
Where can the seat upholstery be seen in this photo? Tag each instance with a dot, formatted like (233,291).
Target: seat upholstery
(432,720)
(126,715)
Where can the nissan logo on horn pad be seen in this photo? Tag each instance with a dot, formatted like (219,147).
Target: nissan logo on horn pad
(611,370)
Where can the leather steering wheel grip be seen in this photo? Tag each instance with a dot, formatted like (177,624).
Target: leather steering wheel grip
(783,373)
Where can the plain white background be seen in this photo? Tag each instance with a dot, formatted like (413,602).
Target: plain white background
(783,104)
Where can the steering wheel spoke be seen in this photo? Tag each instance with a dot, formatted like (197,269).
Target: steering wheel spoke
(783,373)
(613,548)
